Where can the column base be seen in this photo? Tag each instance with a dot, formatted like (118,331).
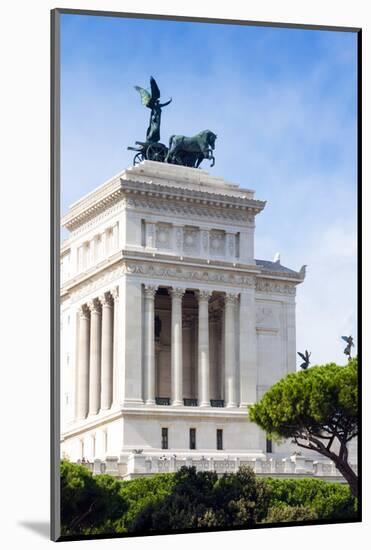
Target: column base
(231,405)
(177,403)
(150,402)
(205,404)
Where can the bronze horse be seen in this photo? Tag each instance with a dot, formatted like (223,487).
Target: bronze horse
(191,151)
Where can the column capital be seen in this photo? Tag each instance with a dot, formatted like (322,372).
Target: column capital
(204,295)
(177,292)
(150,291)
(231,298)
(106,299)
(84,311)
(115,293)
(94,306)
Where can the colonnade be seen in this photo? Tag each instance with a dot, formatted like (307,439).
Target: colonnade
(94,380)
(230,363)
(95,349)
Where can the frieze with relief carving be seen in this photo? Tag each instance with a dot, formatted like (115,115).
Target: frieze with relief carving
(275,287)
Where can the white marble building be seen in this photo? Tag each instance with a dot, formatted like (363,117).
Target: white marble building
(169,325)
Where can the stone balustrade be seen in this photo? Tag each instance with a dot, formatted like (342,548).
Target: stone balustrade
(139,464)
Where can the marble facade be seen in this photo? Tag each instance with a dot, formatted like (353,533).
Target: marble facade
(168,322)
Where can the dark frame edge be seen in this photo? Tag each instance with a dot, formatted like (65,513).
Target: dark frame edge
(55,522)
(195,19)
(359,265)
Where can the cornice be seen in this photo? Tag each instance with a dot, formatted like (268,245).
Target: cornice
(193,412)
(175,199)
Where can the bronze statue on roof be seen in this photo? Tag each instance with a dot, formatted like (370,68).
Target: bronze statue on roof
(182,150)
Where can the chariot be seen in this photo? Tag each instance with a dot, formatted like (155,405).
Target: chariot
(149,151)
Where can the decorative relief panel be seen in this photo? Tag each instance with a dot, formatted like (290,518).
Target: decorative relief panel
(191,241)
(163,236)
(217,243)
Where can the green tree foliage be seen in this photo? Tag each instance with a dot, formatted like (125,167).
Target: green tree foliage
(143,491)
(190,500)
(284,514)
(89,505)
(318,409)
(327,500)
(200,499)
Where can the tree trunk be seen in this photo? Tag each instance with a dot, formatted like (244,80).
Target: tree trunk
(349,475)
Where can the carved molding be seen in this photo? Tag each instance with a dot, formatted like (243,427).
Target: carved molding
(94,218)
(96,282)
(189,211)
(195,275)
(275,287)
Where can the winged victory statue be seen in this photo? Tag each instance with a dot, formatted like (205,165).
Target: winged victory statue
(152,101)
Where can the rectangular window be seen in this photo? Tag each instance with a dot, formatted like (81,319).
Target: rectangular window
(164,438)
(192,438)
(269,446)
(219,440)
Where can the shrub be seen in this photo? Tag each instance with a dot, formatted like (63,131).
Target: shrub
(283,514)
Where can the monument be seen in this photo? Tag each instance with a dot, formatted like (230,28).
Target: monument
(170,327)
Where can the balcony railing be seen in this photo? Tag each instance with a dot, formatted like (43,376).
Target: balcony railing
(217,402)
(190,402)
(162,400)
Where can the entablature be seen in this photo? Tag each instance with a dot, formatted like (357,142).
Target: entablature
(193,272)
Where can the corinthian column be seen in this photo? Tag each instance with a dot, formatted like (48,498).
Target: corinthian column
(95,356)
(149,344)
(230,350)
(82,394)
(176,347)
(203,348)
(107,350)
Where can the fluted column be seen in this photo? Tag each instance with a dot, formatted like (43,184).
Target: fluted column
(230,350)
(203,348)
(115,371)
(95,356)
(149,344)
(107,350)
(187,357)
(82,394)
(176,346)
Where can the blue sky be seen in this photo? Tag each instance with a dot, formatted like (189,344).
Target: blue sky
(283,104)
